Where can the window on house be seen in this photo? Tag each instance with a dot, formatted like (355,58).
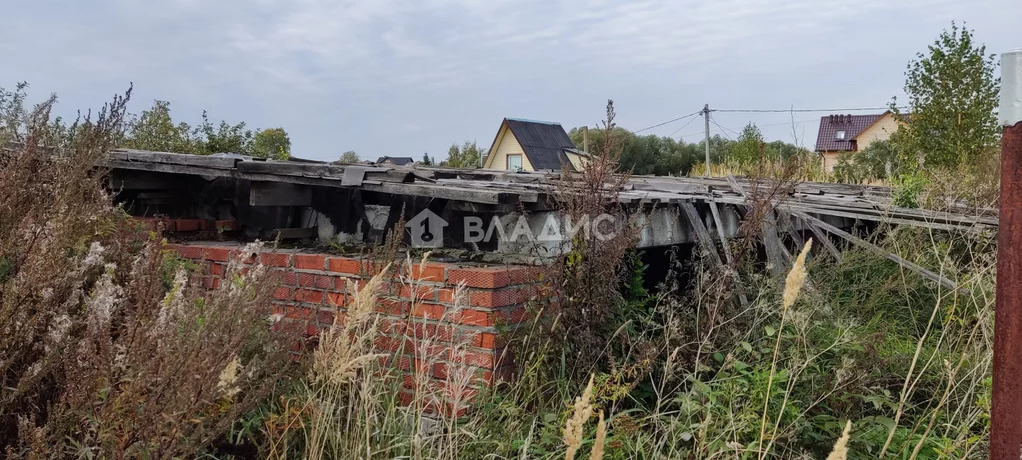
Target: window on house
(514,162)
(840,135)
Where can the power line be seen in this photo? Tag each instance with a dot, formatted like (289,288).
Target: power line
(697,112)
(714,121)
(852,109)
(683,126)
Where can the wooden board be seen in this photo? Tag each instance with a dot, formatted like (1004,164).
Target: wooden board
(279,194)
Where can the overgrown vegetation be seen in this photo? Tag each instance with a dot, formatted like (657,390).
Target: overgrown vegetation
(99,355)
(154,129)
(110,347)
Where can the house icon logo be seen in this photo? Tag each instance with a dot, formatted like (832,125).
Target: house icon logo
(427,229)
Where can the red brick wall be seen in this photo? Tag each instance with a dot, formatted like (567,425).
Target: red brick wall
(463,332)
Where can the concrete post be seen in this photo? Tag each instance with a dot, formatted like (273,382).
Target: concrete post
(1006,411)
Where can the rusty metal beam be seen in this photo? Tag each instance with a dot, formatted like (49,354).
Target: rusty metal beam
(1006,410)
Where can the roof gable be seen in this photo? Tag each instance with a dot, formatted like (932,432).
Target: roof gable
(399,161)
(543,142)
(852,125)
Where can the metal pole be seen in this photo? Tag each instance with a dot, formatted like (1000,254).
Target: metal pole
(706,120)
(1006,410)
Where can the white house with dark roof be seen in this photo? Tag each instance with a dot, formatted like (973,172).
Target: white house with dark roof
(851,133)
(529,145)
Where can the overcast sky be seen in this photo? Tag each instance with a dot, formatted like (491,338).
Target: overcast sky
(399,78)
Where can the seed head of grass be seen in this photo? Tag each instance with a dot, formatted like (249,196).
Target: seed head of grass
(840,451)
(601,440)
(796,277)
(575,426)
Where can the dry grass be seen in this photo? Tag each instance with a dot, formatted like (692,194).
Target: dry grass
(106,349)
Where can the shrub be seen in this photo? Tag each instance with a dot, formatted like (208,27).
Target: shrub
(98,357)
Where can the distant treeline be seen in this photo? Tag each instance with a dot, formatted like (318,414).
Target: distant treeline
(662,156)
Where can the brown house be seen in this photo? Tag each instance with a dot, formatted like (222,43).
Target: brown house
(851,133)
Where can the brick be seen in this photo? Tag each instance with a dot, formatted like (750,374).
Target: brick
(443,332)
(421,292)
(336,299)
(405,397)
(216,269)
(324,282)
(275,259)
(484,359)
(481,277)
(473,318)
(430,272)
(310,262)
(403,363)
(282,293)
(210,282)
(388,343)
(186,251)
(440,371)
(306,279)
(486,340)
(218,254)
(445,295)
(302,313)
(500,298)
(525,275)
(392,307)
(187,225)
(428,310)
(344,265)
(326,318)
(391,326)
(286,278)
(309,296)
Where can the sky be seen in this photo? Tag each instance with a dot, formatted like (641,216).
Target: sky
(400,78)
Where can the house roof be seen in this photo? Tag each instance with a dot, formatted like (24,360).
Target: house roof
(852,125)
(543,142)
(400,161)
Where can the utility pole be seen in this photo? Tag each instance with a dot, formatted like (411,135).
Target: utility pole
(706,120)
(1006,407)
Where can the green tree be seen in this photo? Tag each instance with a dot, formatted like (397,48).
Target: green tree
(349,158)
(272,143)
(750,148)
(154,129)
(469,155)
(426,160)
(720,149)
(224,137)
(880,160)
(952,93)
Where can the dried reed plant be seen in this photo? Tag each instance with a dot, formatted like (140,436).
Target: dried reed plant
(106,348)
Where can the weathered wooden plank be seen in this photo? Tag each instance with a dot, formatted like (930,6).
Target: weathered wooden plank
(121,179)
(282,168)
(440,191)
(775,251)
(878,250)
(279,194)
(353,176)
(789,228)
(720,231)
(168,168)
(701,233)
(204,161)
(823,239)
